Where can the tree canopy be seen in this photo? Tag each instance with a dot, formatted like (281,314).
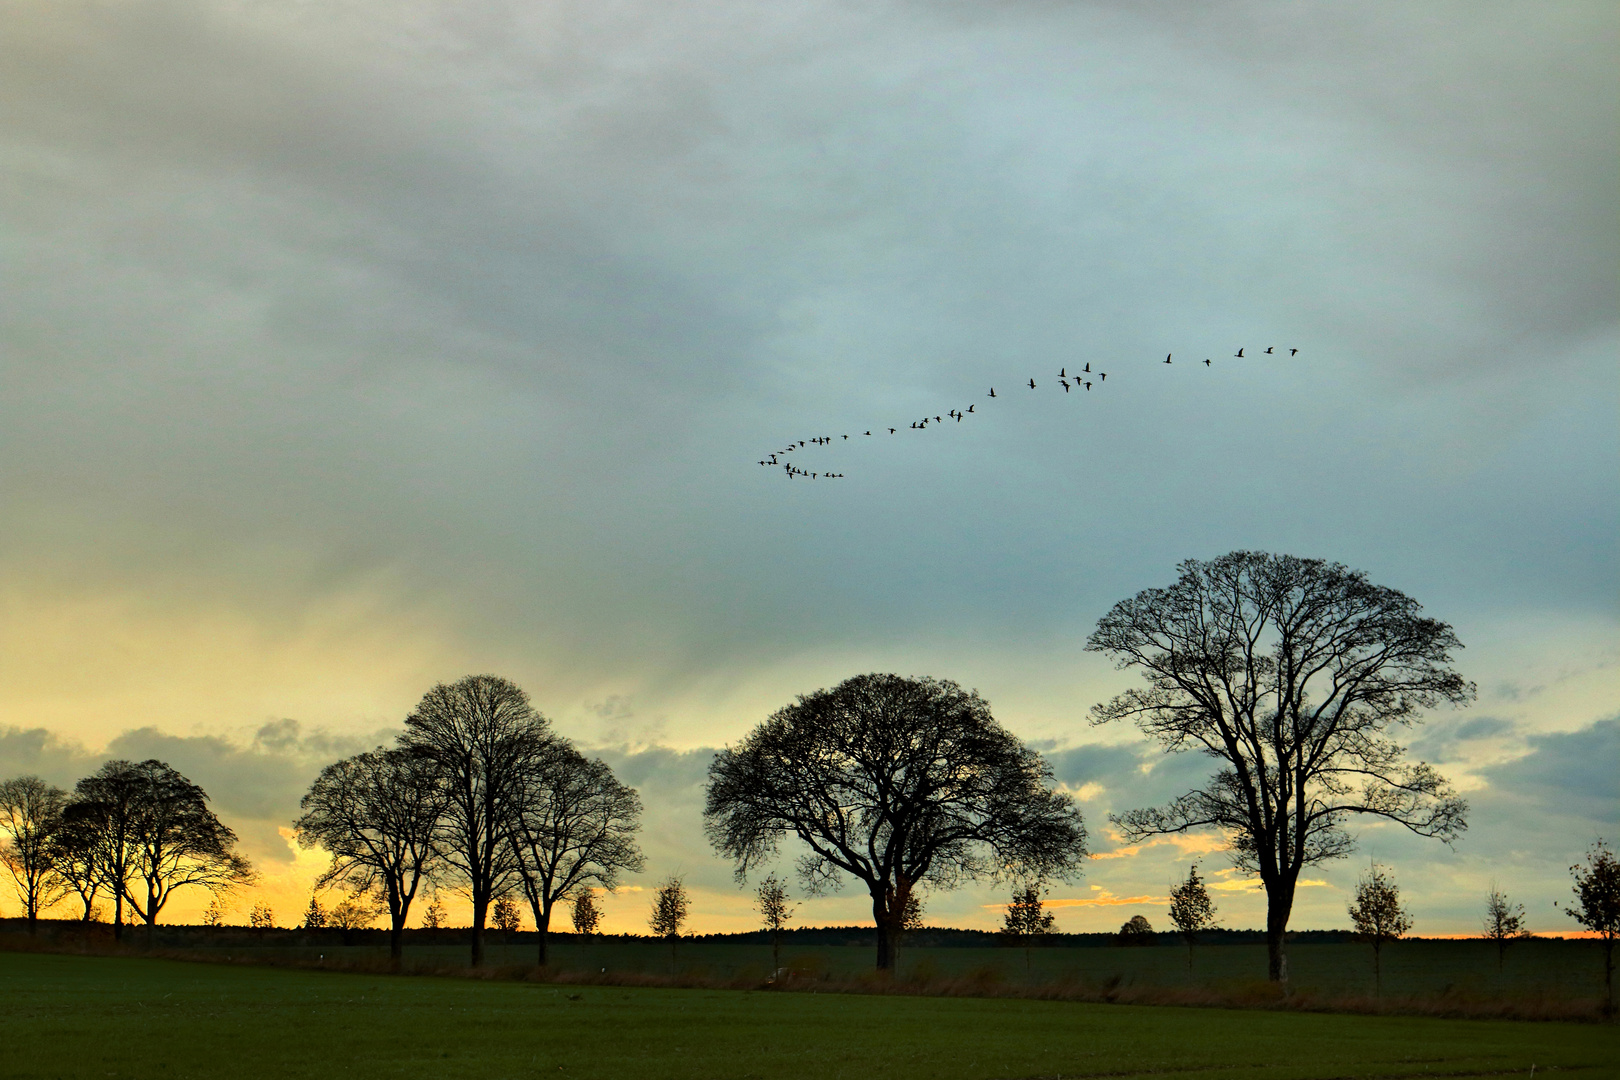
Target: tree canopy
(896,782)
(1290,672)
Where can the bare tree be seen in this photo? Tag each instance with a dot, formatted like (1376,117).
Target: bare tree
(896,782)
(485,739)
(573,824)
(262,917)
(377,814)
(152,833)
(1378,916)
(669,908)
(776,910)
(1192,911)
(1290,672)
(30,815)
(1026,919)
(1504,921)
(75,854)
(356,911)
(1597,907)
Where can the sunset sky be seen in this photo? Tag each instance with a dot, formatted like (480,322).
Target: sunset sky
(349,347)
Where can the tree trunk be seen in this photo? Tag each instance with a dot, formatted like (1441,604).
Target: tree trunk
(542,930)
(118,916)
(1279,903)
(1378,968)
(396,941)
(480,910)
(888,935)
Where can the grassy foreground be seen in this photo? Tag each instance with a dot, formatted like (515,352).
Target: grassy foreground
(72,1016)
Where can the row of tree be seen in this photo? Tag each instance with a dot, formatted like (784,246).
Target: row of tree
(134,832)
(1287,673)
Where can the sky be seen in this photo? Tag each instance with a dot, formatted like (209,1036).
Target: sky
(352,347)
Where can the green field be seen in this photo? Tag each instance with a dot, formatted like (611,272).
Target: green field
(71,1016)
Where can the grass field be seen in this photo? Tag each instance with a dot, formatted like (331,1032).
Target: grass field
(72,1016)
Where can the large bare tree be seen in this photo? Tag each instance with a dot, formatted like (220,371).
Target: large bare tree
(486,741)
(30,815)
(378,816)
(573,825)
(152,832)
(1291,673)
(896,782)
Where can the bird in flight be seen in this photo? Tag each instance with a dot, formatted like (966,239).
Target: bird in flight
(1069,384)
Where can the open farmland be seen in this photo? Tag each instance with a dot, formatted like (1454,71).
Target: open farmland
(1533,971)
(71,1017)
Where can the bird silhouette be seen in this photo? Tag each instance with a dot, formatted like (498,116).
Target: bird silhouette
(1088,386)
(992,391)
(1291,352)
(1087,368)
(891,431)
(1268,351)
(1032,384)
(1065,385)
(1238,353)
(1102,376)
(867,433)
(970,408)
(1167,358)
(1206,361)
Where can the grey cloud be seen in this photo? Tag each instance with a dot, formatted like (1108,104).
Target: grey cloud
(1567,775)
(254,787)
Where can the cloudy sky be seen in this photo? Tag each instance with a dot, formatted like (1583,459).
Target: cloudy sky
(347,347)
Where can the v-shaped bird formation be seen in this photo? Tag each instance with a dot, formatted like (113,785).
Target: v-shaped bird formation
(1083,379)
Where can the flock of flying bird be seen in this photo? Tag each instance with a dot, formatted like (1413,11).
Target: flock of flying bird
(1082,380)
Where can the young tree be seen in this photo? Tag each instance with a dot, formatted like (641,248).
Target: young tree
(1289,672)
(1597,907)
(776,910)
(434,917)
(261,917)
(485,739)
(153,833)
(30,816)
(377,814)
(1191,910)
(669,908)
(315,916)
(573,824)
(1137,931)
(1026,919)
(587,917)
(1378,916)
(1504,921)
(214,914)
(896,782)
(505,916)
